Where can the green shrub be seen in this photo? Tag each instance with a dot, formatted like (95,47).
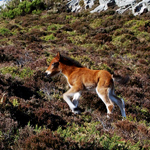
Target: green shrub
(23,8)
(112,143)
(88,133)
(9,14)
(37,12)
(5,32)
(84,133)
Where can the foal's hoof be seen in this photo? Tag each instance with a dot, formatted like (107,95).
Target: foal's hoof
(76,111)
(75,102)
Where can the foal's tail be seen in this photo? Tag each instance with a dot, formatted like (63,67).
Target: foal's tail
(119,79)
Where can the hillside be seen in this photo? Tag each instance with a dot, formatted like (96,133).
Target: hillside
(33,114)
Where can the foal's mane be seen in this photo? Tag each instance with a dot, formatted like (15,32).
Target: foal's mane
(69,61)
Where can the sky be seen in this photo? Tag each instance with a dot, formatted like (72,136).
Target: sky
(2,2)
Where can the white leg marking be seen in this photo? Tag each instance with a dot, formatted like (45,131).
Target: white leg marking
(75,98)
(75,101)
(107,105)
(67,99)
(118,101)
(124,113)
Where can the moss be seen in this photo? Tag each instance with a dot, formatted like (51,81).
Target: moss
(123,40)
(54,27)
(96,23)
(72,33)
(70,17)
(144,37)
(16,71)
(134,26)
(77,39)
(39,27)
(49,37)
(90,45)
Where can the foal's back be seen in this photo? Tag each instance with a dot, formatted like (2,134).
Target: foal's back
(90,79)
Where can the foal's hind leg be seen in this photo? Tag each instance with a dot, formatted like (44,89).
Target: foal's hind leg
(103,94)
(118,101)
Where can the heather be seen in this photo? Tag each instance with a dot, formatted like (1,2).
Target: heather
(33,114)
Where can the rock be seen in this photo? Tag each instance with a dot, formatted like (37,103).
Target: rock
(74,6)
(88,3)
(124,5)
(104,4)
(136,8)
(141,7)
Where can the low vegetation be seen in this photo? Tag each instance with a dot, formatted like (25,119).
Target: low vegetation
(33,114)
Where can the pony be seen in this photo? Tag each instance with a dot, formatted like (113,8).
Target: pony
(82,79)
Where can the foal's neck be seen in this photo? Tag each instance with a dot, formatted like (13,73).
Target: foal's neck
(67,69)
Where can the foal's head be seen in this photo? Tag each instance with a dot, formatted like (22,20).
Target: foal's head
(54,67)
(57,62)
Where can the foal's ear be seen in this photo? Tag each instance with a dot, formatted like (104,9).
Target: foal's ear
(58,55)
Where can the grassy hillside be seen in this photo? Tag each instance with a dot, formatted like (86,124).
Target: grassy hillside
(33,114)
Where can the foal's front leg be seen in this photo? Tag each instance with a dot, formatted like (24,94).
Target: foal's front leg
(75,98)
(73,105)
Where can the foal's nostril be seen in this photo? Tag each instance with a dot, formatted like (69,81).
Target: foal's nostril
(45,74)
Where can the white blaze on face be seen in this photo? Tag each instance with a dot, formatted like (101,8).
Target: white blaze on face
(48,72)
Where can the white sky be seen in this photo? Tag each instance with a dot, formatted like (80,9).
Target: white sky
(1,2)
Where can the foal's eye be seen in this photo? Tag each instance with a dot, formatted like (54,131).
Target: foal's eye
(55,64)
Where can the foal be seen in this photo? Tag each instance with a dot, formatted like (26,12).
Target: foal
(81,78)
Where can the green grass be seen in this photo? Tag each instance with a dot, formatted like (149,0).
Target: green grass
(5,32)
(144,37)
(76,39)
(49,37)
(54,27)
(17,72)
(96,23)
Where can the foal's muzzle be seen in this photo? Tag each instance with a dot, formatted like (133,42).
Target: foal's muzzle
(45,74)
(47,77)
